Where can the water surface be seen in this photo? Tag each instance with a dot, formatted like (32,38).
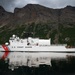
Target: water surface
(24,63)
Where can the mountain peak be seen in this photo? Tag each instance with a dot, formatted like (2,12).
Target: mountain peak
(31,4)
(1,8)
(31,7)
(70,7)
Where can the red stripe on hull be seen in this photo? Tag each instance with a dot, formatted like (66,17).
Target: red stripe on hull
(5,48)
(5,55)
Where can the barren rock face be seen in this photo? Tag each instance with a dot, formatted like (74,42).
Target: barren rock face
(44,22)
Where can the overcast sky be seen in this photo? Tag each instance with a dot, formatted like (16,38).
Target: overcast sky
(9,5)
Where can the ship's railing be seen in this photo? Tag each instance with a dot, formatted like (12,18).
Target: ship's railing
(55,45)
(44,45)
(58,44)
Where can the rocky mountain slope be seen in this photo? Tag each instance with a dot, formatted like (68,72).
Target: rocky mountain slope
(58,24)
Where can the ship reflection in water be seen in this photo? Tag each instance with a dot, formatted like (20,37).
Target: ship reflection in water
(36,63)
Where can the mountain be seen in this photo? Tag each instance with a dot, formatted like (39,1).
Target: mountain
(44,22)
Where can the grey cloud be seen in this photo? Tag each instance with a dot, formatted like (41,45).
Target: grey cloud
(9,5)
(56,3)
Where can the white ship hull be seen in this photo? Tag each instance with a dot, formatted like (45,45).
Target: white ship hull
(33,45)
(52,48)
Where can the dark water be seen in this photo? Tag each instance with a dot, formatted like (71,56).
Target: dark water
(21,63)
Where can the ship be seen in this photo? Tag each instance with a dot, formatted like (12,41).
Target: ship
(33,45)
